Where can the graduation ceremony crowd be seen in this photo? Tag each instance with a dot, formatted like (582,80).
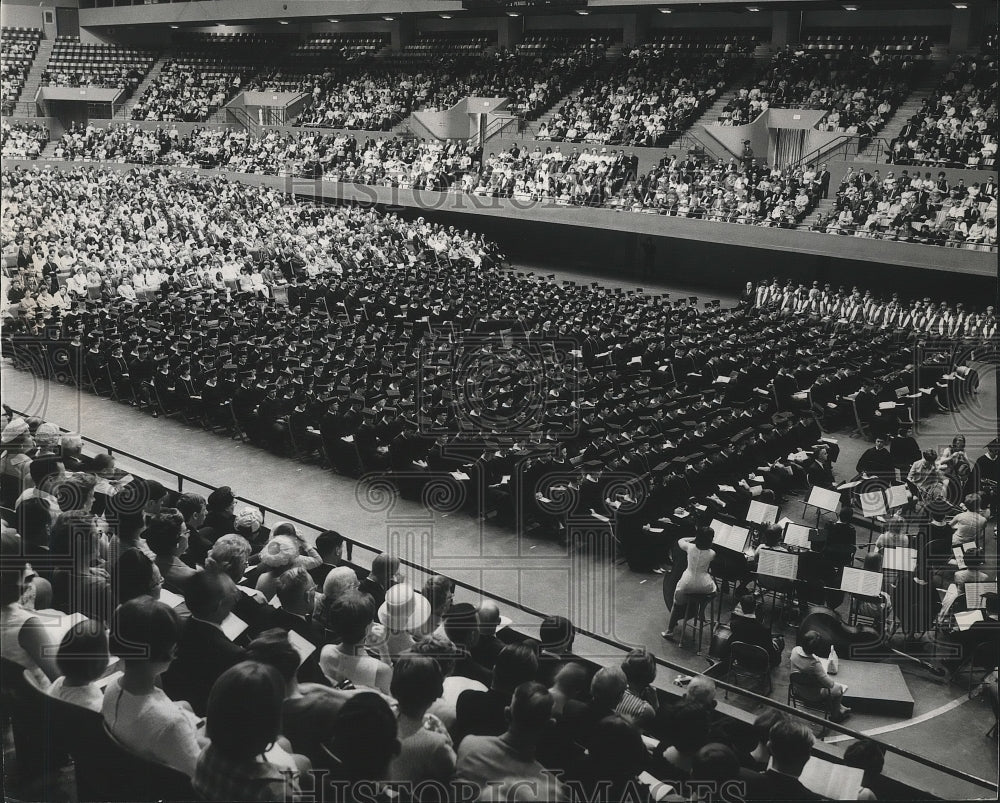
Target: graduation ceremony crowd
(389,348)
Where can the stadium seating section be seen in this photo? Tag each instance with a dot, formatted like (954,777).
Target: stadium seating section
(108,66)
(16,55)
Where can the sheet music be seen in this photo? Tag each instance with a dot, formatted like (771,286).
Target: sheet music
(873,504)
(831,781)
(797,535)
(974,594)
(824,499)
(172,599)
(959,557)
(302,645)
(775,563)
(949,599)
(762,513)
(731,536)
(897,496)
(861,582)
(966,619)
(899,559)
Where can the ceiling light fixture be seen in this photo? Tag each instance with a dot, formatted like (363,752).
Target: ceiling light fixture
(282,22)
(445,16)
(754,9)
(582,12)
(850,8)
(389,19)
(961,6)
(665,10)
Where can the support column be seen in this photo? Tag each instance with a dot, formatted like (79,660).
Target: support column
(510,31)
(786,27)
(635,29)
(402,32)
(966,27)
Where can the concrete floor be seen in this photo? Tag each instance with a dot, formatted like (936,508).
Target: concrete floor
(595,593)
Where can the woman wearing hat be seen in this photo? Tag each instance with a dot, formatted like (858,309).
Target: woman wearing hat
(404,613)
(285,550)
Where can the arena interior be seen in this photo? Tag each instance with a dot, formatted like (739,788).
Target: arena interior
(560,400)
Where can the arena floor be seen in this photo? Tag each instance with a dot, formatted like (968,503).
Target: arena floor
(597,595)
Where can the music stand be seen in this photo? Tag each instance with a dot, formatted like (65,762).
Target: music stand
(780,565)
(823,499)
(873,506)
(762,513)
(974,593)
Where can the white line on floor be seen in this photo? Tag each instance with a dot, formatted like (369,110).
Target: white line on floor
(934,712)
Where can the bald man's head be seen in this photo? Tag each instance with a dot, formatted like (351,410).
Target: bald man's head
(489,617)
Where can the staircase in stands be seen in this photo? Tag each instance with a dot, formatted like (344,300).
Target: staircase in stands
(940,63)
(146,82)
(34,78)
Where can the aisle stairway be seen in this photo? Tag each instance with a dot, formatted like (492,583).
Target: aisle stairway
(151,76)
(34,79)
(826,206)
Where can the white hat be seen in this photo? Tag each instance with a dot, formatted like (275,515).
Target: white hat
(280,552)
(14,430)
(404,609)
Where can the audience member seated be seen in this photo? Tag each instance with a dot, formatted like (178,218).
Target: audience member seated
(957,125)
(96,65)
(166,536)
(22,140)
(482,712)
(19,48)
(790,745)
(247,758)
(82,658)
(350,618)
(746,626)
(204,651)
(144,635)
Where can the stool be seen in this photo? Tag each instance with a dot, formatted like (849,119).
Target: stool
(694,616)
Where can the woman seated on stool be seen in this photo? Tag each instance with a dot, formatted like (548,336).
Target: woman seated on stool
(893,537)
(695,579)
(806,660)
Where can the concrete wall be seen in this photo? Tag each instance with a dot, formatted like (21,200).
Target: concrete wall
(31,14)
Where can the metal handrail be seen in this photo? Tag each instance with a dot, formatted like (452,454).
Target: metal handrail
(727,687)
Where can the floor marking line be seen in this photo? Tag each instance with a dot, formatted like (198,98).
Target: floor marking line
(934,712)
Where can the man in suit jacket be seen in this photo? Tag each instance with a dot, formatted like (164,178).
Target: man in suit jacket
(204,651)
(790,744)
(384,573)
(296,591)
(483,712)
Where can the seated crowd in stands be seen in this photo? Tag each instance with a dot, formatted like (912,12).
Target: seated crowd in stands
(858,89)
(957,125)
(652,94)
(188,91)
(914,209)
(23,140)
(18,52)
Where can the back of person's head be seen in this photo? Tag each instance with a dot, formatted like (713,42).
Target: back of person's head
(772,535)
(973,502)
(866,755)
(384,568)
(329,545)
(813,643)
(572,679)
(44,469)
(190,505)
(747,606)
(75,492)
(704,537)
(616,750)
(975,558)
(83,652)
(416,683)
(764,722)
(133,575)
(273,648)
(295,587)
(530,707)
(716,763)
(846,514)
(210,595)
(229,554)
(144,630)
(364,736)
(516,664)
(75,533)
(689,724)
(701,690)
(164,531)
(439,591)
(489,617)
(244,710)
(556,634)
(790,743)
(350,616)
(607,686)
(441,649)
(34,521)
(461,624)
(639,667)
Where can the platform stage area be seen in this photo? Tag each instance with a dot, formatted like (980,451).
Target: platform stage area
(874,688)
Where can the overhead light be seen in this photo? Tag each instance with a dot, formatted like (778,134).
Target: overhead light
(753,8)
(389,19)
(960,6)
(582,12)
(513,14)
(282,22)
(175,27)
(665,10)
(445,16)
(333,20)
(850,8)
